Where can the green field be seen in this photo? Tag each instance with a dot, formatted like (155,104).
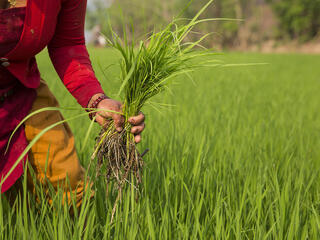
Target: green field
(236,155)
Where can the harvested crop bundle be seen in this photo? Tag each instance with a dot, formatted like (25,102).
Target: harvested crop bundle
(145,72)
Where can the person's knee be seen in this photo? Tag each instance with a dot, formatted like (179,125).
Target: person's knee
(75,177)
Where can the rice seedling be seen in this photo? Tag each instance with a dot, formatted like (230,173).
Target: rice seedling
(145,72)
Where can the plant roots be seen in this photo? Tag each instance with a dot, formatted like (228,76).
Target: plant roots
(118,152)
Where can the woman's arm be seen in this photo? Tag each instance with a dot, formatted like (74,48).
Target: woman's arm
(71,60)
(69,55)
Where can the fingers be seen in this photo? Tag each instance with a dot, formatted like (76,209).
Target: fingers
(137,120)
(138,126)
(104,117)
(138,129)
(104,122)
(118,121)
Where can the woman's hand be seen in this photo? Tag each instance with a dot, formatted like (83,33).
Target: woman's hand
(103,118)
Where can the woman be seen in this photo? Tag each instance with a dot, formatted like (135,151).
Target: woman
(26,27)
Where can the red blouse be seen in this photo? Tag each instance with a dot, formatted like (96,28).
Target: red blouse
(15,107)
(58,25)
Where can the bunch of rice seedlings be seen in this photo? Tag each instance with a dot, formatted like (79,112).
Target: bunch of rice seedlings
(145,72)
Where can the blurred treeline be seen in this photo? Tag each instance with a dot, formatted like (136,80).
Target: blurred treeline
(297,18)
(263,20)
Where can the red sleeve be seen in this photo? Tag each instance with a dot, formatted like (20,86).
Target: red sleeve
(69,54)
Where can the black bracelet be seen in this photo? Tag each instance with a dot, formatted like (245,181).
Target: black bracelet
(95,105)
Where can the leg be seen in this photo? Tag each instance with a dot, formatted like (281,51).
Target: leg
(53,156)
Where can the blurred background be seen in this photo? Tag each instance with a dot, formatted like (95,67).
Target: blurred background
(266,25)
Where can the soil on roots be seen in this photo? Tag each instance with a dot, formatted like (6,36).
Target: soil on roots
(117,150)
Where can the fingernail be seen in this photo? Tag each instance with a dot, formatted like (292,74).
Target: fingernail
(137,138)
(119,129)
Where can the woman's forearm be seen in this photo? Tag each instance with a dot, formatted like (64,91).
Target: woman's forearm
(69,54)
(73,66)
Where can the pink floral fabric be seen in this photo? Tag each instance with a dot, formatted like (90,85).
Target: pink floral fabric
(11,26)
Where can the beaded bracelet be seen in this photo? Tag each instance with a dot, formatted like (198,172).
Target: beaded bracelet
(95,105)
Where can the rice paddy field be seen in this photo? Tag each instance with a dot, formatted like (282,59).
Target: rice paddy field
(234,154)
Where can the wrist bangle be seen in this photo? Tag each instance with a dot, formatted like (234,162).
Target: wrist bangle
(95,105)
